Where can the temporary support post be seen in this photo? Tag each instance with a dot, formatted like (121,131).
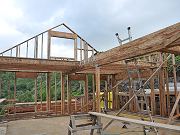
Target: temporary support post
(62,93)
(48,94)
(35,95)
(68,94)
(98,89)
(175,80)
(86,93)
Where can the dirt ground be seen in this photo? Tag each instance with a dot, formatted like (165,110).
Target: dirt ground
(59,125)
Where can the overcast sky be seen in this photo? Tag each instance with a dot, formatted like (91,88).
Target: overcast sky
(97,21)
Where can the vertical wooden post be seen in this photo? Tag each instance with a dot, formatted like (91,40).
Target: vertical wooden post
(35,95)
(167,88)
(36,48)
(15,93)
(98,90)
(93,89)
(113,92)
(75,49)
(62,93)
(80,49)
(86,92)
(17,51)
(175,80)
(48,94)
(162,89)
(41,92)
(85,52)
(153,108)
(49,46)
(106,96)
(55,93)
(68,94)
(0,86)
(42,46)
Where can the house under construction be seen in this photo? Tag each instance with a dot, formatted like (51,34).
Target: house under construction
(130,78)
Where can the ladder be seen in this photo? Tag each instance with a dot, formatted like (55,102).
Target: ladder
(141,92)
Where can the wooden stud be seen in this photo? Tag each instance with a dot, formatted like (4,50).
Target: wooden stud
(62,94)
(81,50)
(162,89)
(93,89)
(49,46)
(41,92)
(48,93)
(86,92)
(15,93)
(75,49)
(35,95)
(68,94)
(153,103)
(55,93)
(0,87)
(175,80)
(98,90)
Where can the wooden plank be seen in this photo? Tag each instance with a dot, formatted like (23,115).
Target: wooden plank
(26,75)
(62,35)
(139,122)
